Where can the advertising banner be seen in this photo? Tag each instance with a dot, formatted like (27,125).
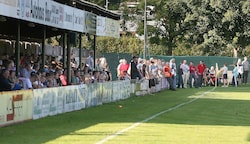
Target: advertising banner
(73,100)
(15,106)
(107,92)
(9,8)
(99,93)
(90,23)
(45,102)
(74,19)
(87,96)
(47,12)
(158,84)
(112,28)
(91,97)
(144,85)
(51,13)
(93,94)
(79,20)
(127,88)
(116,91)
(100,26)
(52,101)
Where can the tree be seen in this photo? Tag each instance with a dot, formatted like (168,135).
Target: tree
(218,26)
(194,27)
(169,16)
(211,27)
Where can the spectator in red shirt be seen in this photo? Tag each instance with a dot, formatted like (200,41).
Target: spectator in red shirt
(192,76)
(63,78)
(123,67)
(200,71)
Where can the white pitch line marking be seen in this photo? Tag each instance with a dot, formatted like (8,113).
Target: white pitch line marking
(150,118)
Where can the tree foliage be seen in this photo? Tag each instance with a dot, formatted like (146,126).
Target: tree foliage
(188,27)
(125,44)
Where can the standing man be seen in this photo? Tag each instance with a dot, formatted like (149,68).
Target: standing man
(173,71)
(134,72)
(192,76)
(179,75)
(245,70)
(225,77)
(168,75)
(185,69)
(200,69)
(90,60)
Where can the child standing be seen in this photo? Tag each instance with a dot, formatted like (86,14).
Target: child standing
(224,71)
(235,75)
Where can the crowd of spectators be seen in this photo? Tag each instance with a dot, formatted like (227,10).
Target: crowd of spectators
(32,75)
(181,75)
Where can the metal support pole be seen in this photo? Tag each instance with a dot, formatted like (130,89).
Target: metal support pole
(64,36)
(80,51)
(145,31)
(43,47)
(68,61)
(17,49)
(94,49)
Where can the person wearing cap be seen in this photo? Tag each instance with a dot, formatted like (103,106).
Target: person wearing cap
(134,72)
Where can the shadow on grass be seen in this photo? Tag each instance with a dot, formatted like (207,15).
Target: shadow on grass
(248,138)
(135,109)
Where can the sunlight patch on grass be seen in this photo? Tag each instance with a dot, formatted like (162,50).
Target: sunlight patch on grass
(91,134)
(228,95)
(241,93)
(149,133)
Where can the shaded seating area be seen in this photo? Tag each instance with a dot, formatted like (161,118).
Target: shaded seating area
(37,21)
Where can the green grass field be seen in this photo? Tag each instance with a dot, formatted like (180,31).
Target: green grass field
(185,116)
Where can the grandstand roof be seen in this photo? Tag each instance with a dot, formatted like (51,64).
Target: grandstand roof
(94,8)
(34,32)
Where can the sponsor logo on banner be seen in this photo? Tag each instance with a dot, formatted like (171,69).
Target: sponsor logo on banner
(90,23)
(112,28)
(100,26)
(51,13)
(73,98)
(15,107)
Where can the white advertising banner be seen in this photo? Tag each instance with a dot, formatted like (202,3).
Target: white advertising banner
(73,100)
(51,13)
(9,8)
(68,16)
(79,20)
(100,26)
(45,12)
(112,28)
(15,106)
(107,92)
(90,23)
(52,101)
(127,88)
(45,102)
(74,19)
(116,91)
